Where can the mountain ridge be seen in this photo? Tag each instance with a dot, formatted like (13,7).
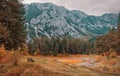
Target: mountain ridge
(47,19)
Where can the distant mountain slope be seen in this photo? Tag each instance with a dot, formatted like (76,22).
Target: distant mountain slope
(48,19)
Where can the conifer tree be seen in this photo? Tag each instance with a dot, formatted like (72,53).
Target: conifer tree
(11,18)
(119,22)
(118,33)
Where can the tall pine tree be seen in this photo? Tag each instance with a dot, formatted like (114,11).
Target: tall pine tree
(118,33)
(12,20)
(119,23)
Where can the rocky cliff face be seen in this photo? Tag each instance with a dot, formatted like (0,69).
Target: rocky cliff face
(48,19)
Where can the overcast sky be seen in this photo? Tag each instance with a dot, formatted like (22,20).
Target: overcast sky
(91,7)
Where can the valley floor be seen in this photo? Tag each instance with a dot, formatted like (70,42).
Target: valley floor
(71,65)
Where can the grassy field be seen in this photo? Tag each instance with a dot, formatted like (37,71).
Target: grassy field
(18,65)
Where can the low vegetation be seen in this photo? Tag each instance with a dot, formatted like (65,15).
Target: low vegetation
(60,66)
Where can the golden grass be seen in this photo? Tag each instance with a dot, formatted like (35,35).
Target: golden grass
(31,69)
(71,61)
(49,66)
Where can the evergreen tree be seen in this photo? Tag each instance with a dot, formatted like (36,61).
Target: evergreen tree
(119,22)
(11,18)
(118,34)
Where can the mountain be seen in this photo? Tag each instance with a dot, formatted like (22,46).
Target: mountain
(47,19)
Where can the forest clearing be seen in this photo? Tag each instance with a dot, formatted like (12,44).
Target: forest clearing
(45,39)
(15,64)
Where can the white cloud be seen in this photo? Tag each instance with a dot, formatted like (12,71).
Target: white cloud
(92,7)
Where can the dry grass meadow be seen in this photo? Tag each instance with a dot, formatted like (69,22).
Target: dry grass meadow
(16,64)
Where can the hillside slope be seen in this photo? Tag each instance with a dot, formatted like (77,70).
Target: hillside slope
(47,19)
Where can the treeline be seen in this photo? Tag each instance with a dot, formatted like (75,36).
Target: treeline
(96,45)
(56,45)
